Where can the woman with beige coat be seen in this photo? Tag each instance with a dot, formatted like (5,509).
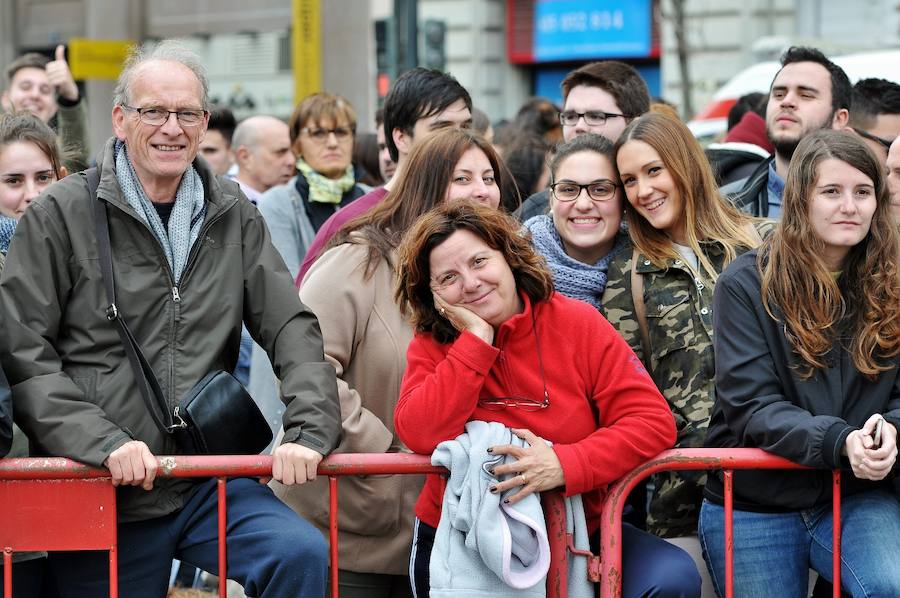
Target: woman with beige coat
(366,333)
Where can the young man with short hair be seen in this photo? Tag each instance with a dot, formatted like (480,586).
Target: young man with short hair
(809,93)
(47,89)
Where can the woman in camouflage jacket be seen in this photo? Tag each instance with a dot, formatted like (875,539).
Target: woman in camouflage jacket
(659,292)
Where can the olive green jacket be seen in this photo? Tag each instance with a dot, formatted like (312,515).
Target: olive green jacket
(679,320)
(73,388)
(71,122)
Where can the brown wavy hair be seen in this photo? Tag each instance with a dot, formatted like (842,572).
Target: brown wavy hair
(708,217)
(863,305)
(421,185)
(498,230)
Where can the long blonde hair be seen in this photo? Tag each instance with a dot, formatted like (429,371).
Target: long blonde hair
(799,290)
(708,217)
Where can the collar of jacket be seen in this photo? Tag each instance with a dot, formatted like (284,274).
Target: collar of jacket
(520,324)
(712,249)
(218,197)
(753,196)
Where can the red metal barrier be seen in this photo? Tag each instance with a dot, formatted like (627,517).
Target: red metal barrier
(66,479)
(64,505)
(694,459)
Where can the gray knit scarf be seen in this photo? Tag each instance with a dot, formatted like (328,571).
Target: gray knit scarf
(187,215)
(570,277)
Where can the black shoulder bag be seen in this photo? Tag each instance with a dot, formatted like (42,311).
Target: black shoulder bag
(218,416)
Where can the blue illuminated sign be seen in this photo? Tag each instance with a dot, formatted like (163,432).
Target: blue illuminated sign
(586,29)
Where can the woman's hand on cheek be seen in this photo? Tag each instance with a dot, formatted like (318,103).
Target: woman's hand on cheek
(462,318)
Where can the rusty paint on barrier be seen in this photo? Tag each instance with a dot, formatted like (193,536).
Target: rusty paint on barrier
(167,465)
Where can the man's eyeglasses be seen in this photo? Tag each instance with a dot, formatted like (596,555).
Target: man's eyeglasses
(156,116)
(886,143)
(597,191)
(594,118)
(320,135)
(501,403)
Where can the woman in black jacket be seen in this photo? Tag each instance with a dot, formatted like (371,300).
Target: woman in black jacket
(807,349)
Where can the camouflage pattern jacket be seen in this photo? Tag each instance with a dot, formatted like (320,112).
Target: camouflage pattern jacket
(679,318)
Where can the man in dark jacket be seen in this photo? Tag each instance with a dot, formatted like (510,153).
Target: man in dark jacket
(193,260)
(809,93)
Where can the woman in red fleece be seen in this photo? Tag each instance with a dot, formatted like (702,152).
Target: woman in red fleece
(494,342)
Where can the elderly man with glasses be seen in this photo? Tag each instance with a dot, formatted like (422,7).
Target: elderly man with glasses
(192,259)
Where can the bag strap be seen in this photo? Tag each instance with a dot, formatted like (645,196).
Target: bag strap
(143,373)
(640,309)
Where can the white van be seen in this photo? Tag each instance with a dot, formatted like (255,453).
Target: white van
(712,121)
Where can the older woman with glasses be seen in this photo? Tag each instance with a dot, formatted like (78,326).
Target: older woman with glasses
(322,130)
(494,342)
(583,231)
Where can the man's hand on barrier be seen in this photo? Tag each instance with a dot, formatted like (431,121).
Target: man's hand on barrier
(132,464)
(294,463)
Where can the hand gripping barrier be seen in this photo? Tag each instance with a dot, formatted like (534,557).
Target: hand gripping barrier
(692,459)
(59,504)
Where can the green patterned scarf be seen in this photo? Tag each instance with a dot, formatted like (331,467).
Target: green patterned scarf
(325,190)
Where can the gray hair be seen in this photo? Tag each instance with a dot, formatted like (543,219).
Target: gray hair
(170,50)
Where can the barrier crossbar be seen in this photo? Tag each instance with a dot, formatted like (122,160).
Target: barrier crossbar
(727,460)
(93,526)
(71,506)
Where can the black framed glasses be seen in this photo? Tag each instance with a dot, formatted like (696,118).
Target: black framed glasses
(523,403)
(156,116)
(593,118)
(885,143)
(319,135)
(567,191)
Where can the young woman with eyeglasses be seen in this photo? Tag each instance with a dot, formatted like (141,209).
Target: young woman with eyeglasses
(659,291)
(494,342)
(583,231)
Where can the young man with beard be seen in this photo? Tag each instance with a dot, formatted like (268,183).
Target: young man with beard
(809,93)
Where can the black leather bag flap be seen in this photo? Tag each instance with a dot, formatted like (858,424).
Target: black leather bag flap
(222,418)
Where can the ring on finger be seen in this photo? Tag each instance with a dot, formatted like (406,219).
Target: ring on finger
(524,480)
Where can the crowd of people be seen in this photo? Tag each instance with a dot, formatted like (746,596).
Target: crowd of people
(541,304)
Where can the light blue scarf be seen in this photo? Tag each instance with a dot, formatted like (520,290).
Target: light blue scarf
(7,228)
(585,282)
(187,215)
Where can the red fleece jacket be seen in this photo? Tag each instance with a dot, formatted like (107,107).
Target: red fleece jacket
(591,372)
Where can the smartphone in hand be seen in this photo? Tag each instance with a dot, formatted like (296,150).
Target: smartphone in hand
(876,435)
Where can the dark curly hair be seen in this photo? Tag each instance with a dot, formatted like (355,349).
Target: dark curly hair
(498,230)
